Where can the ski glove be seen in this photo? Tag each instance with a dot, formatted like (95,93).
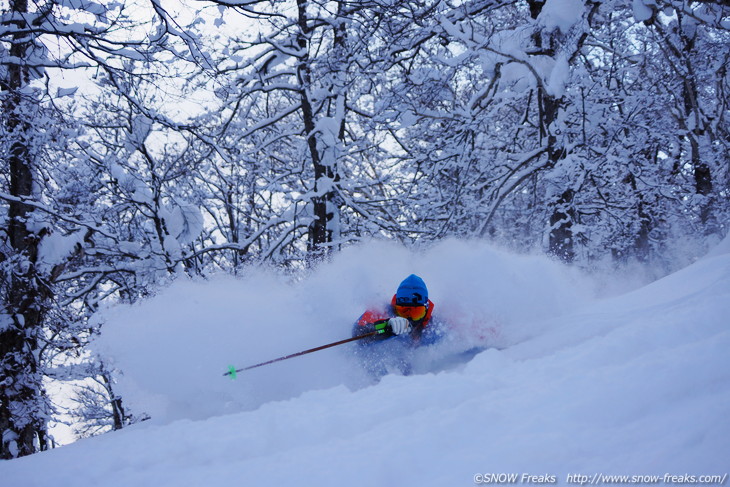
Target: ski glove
(399,325)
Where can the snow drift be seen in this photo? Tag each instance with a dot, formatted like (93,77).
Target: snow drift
(633,384)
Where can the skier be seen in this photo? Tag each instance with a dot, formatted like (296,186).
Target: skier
(402,326)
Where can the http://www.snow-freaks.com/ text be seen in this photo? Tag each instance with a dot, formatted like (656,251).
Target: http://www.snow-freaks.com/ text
(600,479)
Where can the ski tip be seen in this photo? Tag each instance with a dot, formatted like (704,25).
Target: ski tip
(231,372)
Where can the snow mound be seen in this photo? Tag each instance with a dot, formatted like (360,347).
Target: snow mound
(635,385)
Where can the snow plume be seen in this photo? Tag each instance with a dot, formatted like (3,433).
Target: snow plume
(173,349)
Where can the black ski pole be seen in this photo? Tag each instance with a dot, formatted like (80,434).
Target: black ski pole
(232,371)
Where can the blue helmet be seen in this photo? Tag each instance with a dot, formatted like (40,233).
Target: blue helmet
(411,292)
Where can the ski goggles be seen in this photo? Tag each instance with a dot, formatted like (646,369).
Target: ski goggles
(414,313)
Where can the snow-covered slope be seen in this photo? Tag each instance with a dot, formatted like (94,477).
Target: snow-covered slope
(635,384)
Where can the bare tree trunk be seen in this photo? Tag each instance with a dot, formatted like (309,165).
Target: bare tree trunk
(324,202)
(119,417)
(23,403)
(694,123)
(564,215)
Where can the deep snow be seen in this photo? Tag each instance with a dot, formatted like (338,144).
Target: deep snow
(633,384)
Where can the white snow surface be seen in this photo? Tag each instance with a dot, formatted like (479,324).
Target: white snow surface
(632,384)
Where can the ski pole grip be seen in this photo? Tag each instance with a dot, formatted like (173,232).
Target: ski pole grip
(381,326)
